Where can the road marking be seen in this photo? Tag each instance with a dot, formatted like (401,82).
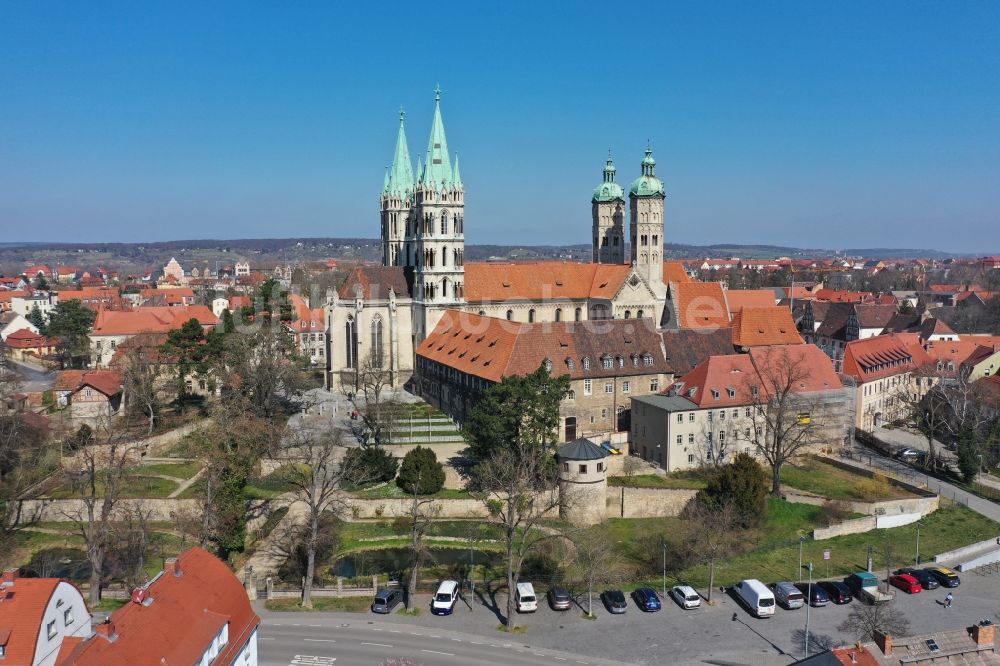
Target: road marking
(396,631)
(315,625)
(262,638)
(457,640)
(559,658)
(475,642)
(433,636)
(447,654)
(376,644)
(319,640)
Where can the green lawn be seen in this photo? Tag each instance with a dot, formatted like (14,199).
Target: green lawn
(657,481)
(945,529)
(352,535)
(134,487)
(392,491)
(270,486)
(177,470)
(820,478)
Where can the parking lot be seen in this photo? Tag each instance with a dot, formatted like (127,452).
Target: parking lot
(688,637)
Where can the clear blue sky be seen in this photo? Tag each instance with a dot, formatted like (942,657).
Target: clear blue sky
(816,124)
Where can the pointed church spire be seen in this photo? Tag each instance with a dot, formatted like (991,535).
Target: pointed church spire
(438,166)
(400,178)
(385,181)
(456,176)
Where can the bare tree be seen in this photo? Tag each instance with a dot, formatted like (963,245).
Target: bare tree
(132,538)
(372,382)
(594,556)
(421,514)
(101,471)
(258,373)
(713,533)
(865,619)
(518,491)
(140,367)
(317,471)
(781,432)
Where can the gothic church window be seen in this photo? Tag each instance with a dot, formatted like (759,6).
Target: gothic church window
(376,343)
(351,344)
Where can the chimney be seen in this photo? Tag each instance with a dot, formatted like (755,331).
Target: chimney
(10,576)
(106,629)
(170,567)
(983,634)
(884,642)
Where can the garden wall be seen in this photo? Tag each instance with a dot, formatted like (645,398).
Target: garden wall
(921,505)
(69,510)
(866,524)
(965,551)
(647,502)
(354,508)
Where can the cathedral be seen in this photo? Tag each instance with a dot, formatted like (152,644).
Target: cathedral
(380,314)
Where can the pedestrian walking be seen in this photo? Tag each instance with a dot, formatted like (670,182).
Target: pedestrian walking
(948,599)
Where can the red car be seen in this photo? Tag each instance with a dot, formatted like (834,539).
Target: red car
(906,583)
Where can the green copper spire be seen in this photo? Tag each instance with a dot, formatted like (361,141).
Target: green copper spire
(420,170)
(385,181)
(647,185)
(456,176)
(438,167)
(400,177)
(609,190)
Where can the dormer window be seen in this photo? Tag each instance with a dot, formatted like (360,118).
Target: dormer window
(607,363)
(731,392)
(621,362)
(715,394)
(548,365)
(586,364)
(647,359)
(570,363)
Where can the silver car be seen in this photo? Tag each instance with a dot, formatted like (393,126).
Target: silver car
(788,595)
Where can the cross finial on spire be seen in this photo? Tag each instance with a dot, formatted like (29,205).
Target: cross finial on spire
(402,114)
(437,93)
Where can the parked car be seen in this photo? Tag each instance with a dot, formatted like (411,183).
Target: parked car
(838,592)
(614,601)
(685,596)
(524,598)
(755,596)
(815,595)
(647,599)
(386,600)
(445,598)
(926,578)
(559,598)
(903,454)
(788,595)
(865,586)
(906,583)
(945,576)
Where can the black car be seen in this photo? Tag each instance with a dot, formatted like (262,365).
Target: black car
(386,600)
(614,601)
(927,580)
(559,598)
(945,576)
(815,595)
(838,592)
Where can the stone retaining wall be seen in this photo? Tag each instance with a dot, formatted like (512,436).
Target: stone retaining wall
(647,502)
(922,505)
(353,508)
(866,524)
(965,551)
(70,510)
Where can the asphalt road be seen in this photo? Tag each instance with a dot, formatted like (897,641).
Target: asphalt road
(313,639)
(34,379)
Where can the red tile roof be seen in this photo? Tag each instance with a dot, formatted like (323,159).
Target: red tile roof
(23,338)
(758,298)
(492,348)
(108,382)
(22,609)
(948,356)
(756,327)
(699,304)
(883,356)
(186,612)
(150,320)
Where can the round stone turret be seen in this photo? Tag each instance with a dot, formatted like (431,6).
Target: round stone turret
(583,482)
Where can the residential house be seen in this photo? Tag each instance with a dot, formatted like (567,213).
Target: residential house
(607,363)
(43,300)
(97,396)
(7,297)
(12,321)
(842,323)
(24,345)
(37,615)
(44,270)
(764,326)
(67,274)
(242,268)
(983,362)
(890,373)
(12,283)
(173,270)
(112,327)
(309,329)
(720,407)
(193,612)
(737,299)
(96,298)
(966,646)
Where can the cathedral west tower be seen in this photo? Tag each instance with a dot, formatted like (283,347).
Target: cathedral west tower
(646,211)
(608,213)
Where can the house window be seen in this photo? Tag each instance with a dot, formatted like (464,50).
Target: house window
(565,466)
(609,387)
(50,629)
(647,359)
(626,386)
(604,413)
(68,616)
(583,469)
(586,364)
(654,385)
(570,363)
(558,314)
(715,393)
(600,467)
(588,386)
(690,458)
(680,417)
(747,414)
(710,415)
(510,315)
(736,413)
(577,314)
(690,438)
(722,415)
(691,417)
(531,315)
(571,395)
(548,365)
(607,363)
(680,439)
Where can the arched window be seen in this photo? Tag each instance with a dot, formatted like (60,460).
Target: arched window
(620,361)
(351,343)
(444,223)
(376,346)
(577,313)
(444,287)
(482,313)
(548,365)
(510,315)
(638,315)
(570,363)
(531,315)
(628,314)
(558,314)
(586,363)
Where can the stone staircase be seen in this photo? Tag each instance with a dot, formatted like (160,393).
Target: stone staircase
(432,429)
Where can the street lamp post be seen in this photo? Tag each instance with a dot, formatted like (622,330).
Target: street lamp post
(472,577)
(802,540)
(808,604)
(664,544)
(916,559)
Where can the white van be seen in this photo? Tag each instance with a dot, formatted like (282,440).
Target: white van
(524,598)
(445,598)
(756,597)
